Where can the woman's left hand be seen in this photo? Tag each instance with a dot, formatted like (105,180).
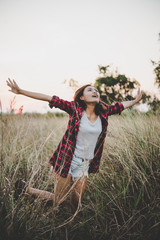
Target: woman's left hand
(131,103)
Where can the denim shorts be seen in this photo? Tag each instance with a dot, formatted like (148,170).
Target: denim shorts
(79,167)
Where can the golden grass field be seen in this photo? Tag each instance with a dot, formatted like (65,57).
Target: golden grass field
(122,201)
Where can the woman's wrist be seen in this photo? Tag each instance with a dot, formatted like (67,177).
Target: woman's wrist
(20,91)
(135,101)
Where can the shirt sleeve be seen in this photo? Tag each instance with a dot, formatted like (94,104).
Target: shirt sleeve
(114,109)
(62,104)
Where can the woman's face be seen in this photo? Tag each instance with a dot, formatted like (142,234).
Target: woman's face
(90,95)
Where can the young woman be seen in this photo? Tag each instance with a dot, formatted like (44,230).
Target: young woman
(80,150)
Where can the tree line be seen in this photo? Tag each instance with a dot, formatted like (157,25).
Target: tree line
(114,86)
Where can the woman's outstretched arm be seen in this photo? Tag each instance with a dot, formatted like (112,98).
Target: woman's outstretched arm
(17,90)
(128,104)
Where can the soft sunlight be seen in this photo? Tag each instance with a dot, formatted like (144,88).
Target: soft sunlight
(44,43)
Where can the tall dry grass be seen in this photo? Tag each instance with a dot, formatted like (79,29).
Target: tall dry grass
(122,201)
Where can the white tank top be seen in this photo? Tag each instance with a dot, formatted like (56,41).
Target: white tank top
(87,137)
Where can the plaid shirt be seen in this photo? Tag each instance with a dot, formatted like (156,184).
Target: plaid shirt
(62,157)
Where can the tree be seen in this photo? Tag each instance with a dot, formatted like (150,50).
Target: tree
(114,86)
(74,84)
(155,103)
(157,70)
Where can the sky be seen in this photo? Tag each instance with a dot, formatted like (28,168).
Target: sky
(44,42)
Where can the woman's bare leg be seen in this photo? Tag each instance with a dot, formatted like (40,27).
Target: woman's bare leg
(40,193)
(61,187)
(77,193)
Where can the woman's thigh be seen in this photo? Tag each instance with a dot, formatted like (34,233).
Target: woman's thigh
(61,186)
(79,186)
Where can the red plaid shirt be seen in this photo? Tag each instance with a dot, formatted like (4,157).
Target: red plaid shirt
(62,157)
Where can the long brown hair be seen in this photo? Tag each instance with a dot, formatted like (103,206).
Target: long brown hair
(99,107)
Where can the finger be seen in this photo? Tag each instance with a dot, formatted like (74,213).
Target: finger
(10,81)
(16,85)
(12,84)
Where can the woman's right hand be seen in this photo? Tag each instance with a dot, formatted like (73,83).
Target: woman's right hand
(15,89)
(13,85)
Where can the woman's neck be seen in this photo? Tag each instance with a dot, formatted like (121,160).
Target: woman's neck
(90,109)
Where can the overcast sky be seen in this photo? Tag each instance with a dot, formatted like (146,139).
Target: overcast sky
(44,42)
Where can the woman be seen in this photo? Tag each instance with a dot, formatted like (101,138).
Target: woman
(79,152)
